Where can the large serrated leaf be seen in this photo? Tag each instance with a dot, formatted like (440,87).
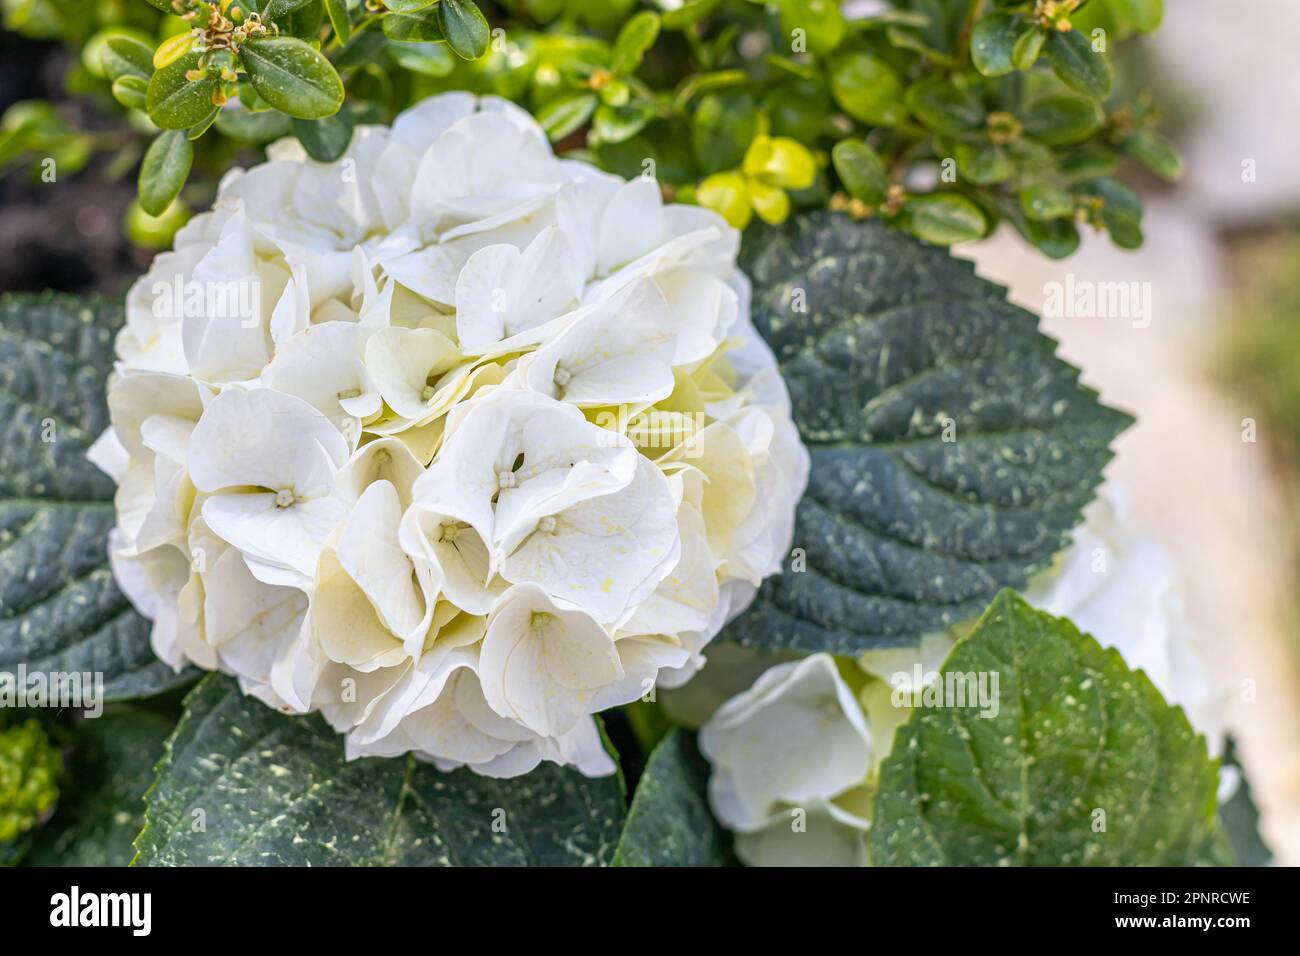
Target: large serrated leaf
(60,609)
(952,451)
(241,784)
(1072,760)
(101,806)
(670,823)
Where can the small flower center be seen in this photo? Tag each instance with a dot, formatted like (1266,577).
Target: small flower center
(447,533)
(285,498)
(547,525)
(562,376)
(426,394)
(506,479)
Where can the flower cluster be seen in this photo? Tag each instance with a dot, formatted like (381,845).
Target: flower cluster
(452,440)
(795,757)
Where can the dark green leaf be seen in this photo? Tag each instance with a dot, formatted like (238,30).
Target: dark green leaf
(292,77)
(101,807)
(175,102)
(201,127)
(1074,760)
(566,114)
(943,218)
(984,163)
(164,170)
(1076,64)
(861,170)
(722,128)
(429,59)
(409,6)
(902,532)
(60,609)
(124,56)
(260,127)
(325,139)
(637,36)
(1056,238)
(465,28)
(276,790)
(1062,120)
(944,108)
(1241,818)
(867,89)
(669,823)
(992,42)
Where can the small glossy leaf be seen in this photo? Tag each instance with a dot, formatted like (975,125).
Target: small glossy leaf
(176,102)
(429,59)
(325,139)
(861,170)
(614,124)
(1077,65)
(943,218)
(1028,47)
(164,170)
(124,56)
(1045,201)
(409,6)
(337,11)
(944,108)
(984,163)
(292,77)
(867,89)
(992,42)
(1149,149)
(1062,120)
(131,91)
(821,21)
(201,127)
(637,36)
(421,27)
(566,114)
(261,127)
(465,28)
(722,128)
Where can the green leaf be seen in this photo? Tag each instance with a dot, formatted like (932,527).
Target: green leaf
(1121,211)
(722,128)
(1154,153)
(944,108)
(465,28)
(670,823)
(429,59)
(993,42)
(984,163)
(164,170)
(124,56)
(337,11)
(1073,759)
(943,218)
(1045,201)
(1077,66)
(175,102)
(409,6)
(820,20)
(1028,46)
(101,807)
(131,91)
(867,89)
(259,127)
(902,532)
(325,139)
(1062,120)
(60,609)
(292,77)
(1241,817)
(422,27)
(637,36)
(276,790)
(615,124)
(861,170)
(566,114)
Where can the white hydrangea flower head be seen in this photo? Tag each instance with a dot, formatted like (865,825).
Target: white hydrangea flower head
(790,760)
(452,440)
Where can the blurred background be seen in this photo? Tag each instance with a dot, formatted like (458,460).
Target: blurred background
(1212,467)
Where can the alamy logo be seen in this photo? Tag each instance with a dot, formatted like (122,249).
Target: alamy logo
(57,689)
(922,688)
(103,909)
(1085,299)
